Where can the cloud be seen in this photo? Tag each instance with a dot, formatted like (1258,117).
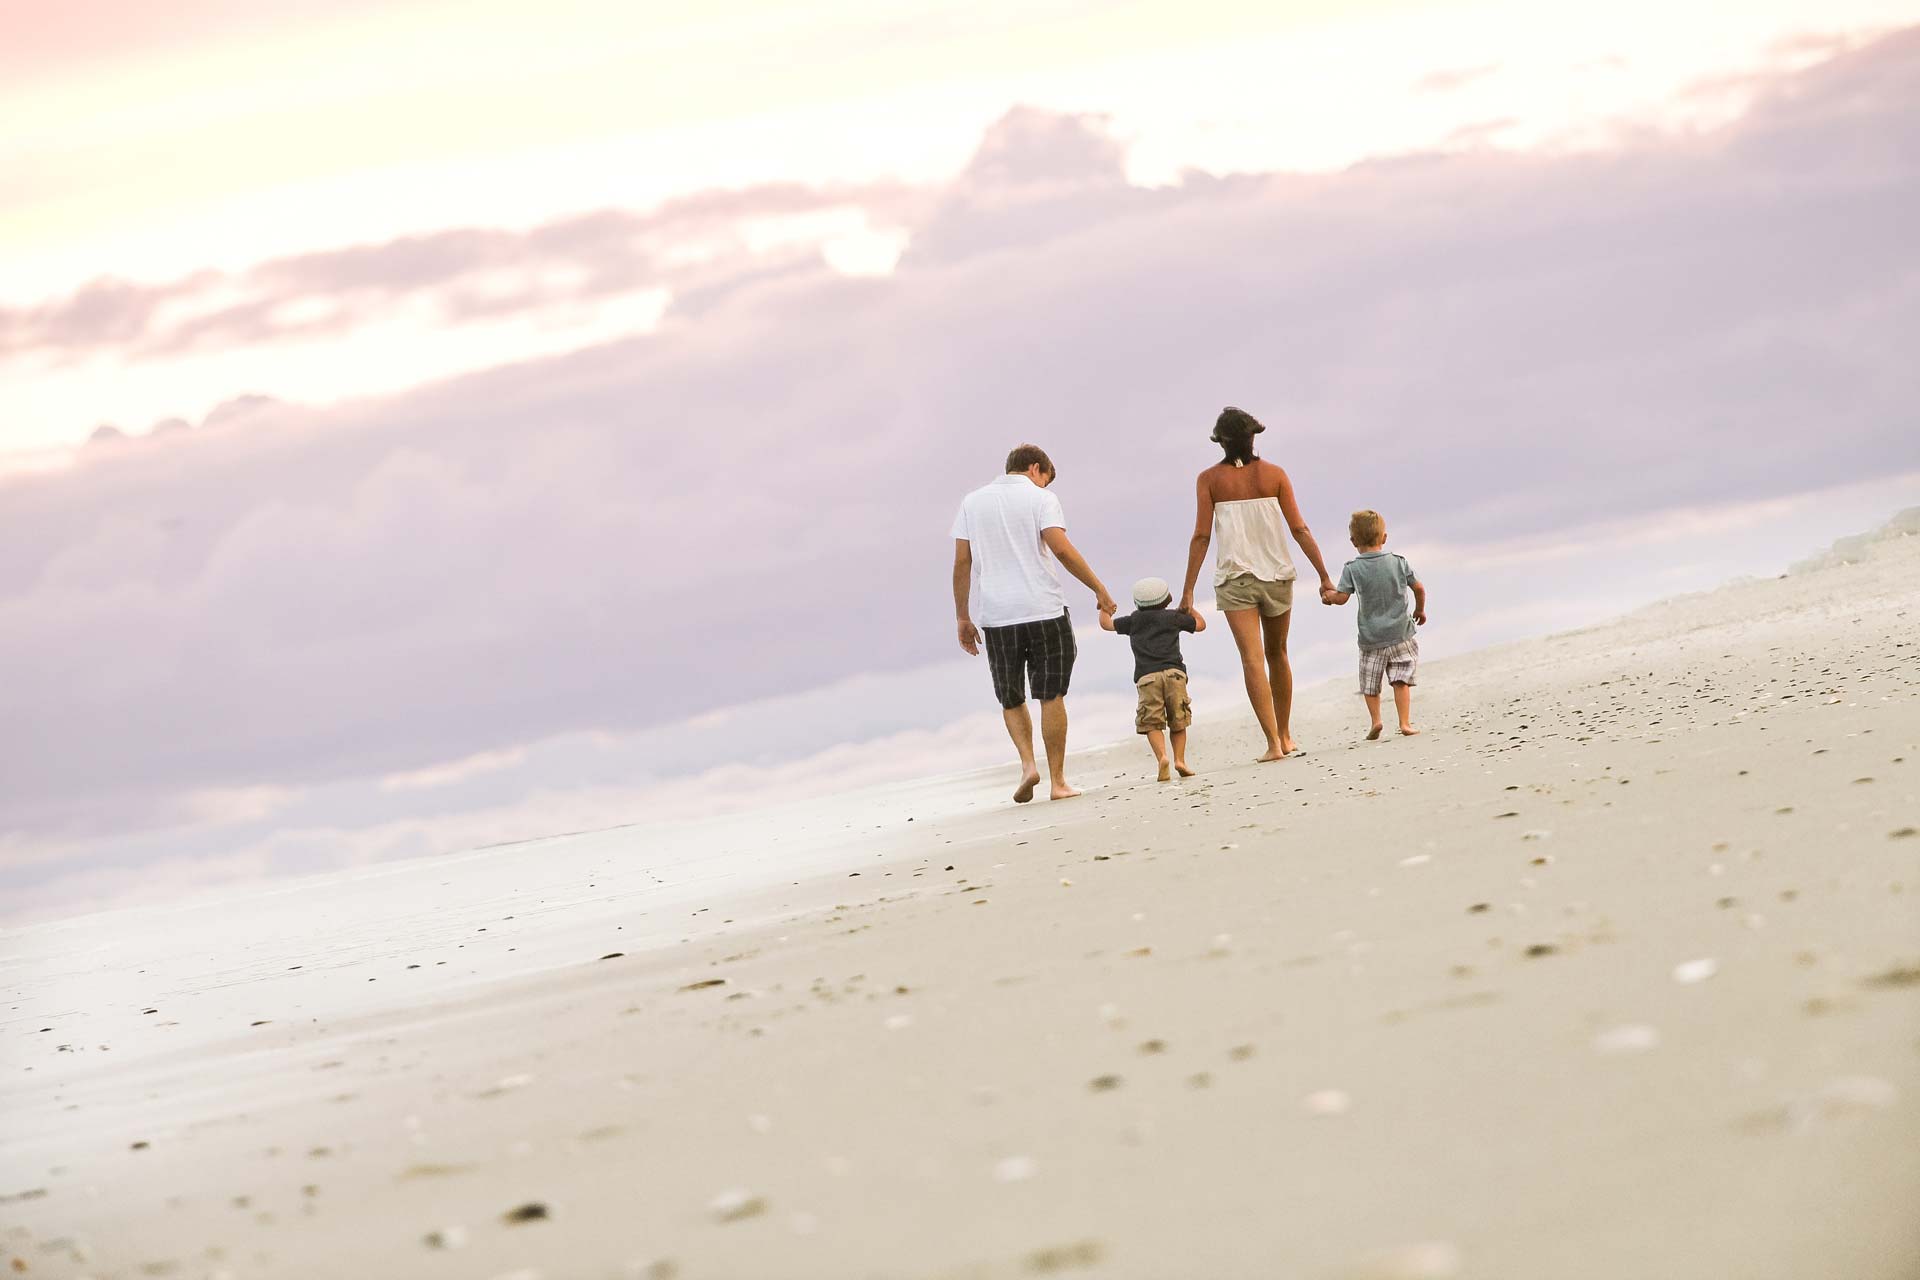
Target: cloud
(464,275)
(754,499)
(1456,78)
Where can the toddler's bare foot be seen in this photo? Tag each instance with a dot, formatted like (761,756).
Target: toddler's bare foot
(1407,731)
(1024,792)
(1061,791)
(1180,767)
(1166,772)
(1374,732)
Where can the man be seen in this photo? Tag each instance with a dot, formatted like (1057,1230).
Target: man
(1005,540)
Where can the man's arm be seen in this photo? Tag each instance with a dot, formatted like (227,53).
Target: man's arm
(962,584)
(1419,603)
(1202,537)
(1057,542)
(1302,534)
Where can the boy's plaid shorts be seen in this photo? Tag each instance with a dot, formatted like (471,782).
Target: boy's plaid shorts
(1397,664)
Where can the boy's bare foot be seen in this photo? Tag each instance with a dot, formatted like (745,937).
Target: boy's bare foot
(1374,733)
(1408,731)
(1024,792)
(1063,792)
(1166,772)
(1180,767)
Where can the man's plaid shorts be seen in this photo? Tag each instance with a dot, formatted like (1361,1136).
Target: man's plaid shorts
(1042,652)
(1398,664)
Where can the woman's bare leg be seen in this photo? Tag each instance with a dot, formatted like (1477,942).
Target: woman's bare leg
(1245,625)
(1280,675)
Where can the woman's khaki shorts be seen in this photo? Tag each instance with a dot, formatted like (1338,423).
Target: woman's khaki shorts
(1163,702)
(1244,591)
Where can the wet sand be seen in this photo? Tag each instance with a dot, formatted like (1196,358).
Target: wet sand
(1614,971)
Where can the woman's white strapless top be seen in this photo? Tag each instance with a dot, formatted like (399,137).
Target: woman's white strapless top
(1250,536)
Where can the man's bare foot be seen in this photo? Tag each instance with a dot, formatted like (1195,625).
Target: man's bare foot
(1374,733)
(1024,792)
(1180,767)
(1061,791)
(1166,772)
(1407,731)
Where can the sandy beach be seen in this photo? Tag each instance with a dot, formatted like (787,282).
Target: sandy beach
(1614,972)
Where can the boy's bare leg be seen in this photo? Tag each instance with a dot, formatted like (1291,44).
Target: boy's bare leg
(1158,741)
(1180,753)
(1020,729)
(1403,703)
(1373,711)
(1280,674)
(1053,732)
(1245,625)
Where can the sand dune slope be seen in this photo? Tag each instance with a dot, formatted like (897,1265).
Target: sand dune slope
(1613,973)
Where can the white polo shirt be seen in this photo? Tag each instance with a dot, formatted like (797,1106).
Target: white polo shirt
(1014,579)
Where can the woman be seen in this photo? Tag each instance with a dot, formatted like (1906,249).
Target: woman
(1243,502)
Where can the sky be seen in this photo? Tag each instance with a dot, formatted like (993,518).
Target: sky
(423,425)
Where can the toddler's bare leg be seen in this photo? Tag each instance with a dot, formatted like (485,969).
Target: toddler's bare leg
(1157,739)
(1373,712)
(1402,703)
(1179,737)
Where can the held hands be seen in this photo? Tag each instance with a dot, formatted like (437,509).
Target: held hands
(1105,604)
(1327,593)
(969,637)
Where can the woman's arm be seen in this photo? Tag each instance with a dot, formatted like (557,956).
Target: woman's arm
(1202,537)
(1301,534)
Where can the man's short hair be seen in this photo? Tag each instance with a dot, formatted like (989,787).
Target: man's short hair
(1026,456)
(1366,528)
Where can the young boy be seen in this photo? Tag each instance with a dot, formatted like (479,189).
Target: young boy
(1158,673)
(1387,646)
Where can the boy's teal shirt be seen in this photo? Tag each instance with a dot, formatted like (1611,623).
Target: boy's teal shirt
(1380,579)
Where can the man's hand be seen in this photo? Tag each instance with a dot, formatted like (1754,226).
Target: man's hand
(1106,605)
(969,637)
(1327,594)
(1186,603)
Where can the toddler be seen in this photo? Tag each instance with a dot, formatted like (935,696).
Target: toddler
(1159,675)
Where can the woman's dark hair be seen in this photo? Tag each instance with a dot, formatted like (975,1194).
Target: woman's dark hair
(1234,431)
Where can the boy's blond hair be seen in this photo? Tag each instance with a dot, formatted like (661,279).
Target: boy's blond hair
(1366,528)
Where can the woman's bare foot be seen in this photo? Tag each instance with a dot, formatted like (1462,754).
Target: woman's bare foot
(1288,746)
(1024,792)
(1180,767)
(1273,753)
(1407,731)
(1373,734)
(1061,791)
(1166,772)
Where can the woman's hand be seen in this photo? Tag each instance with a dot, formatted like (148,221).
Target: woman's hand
(1186,602)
